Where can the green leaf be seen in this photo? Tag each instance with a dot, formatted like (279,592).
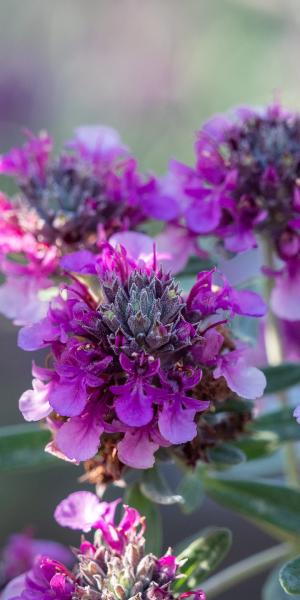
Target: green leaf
(192,491)
(281,377)
(135,498)
(259,445)
(155,487)
(22,447)
(226,454)
(281,423)
(268,504)
(203,556)
(289,576)
(272,589)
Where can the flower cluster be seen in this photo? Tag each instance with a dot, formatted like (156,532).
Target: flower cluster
(113,566)
(90,192)
(20,551)
(245,186)
(129,354)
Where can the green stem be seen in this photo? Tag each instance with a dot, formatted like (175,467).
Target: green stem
(275,356)
(228,578)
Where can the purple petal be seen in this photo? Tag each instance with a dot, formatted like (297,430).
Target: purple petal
(82,261)
(19,299)
(245,302)
(246,381)
(139,246)
(161,206)
(37,336)
(53,550)
(69,398)
(296,413)
(134,408)
(286,294)
(79,438)
(14,589)
(203,215)
(34,404)
(79,510)
(174,245)
(176,424)
(137,450)
(99,139)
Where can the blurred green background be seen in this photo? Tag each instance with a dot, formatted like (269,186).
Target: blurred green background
(154,69)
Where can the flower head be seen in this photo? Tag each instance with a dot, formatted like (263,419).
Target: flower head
(128,355)
(113,565)
(245,186)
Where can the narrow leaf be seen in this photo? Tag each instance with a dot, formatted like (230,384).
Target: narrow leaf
(281,377)
(281,423)
(135,498)
(22,447)
(226,454)
(272,505)
(202,556)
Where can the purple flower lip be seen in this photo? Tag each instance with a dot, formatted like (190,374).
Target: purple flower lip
(127,359)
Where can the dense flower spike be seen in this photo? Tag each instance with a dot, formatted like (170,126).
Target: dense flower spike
(113,566)
(128,352)
(91,192)
(245,185)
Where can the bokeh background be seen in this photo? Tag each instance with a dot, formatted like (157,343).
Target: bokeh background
(154,70)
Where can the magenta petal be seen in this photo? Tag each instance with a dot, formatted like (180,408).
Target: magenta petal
(82,261)
(139,246)
(34,404)
(174,247)
(79,510)
(68,398)
(19,299)
(246,381)
(203,215)
(285,298)
(53,550)
(176,424)
(14,589)
(37,336)
(245,302)
(79,438)
(137,450)
(134,408)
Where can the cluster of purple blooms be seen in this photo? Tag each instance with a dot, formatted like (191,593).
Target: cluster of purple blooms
(113,565)
(245,186)
(90,193)
(128,352)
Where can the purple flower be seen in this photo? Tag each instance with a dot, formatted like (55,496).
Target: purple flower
(244,380)
(244,188)
(127,356)
(91,192)
(113,564)
(20,551)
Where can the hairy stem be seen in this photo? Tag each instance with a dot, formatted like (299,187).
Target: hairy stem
(275,356)
(226,579)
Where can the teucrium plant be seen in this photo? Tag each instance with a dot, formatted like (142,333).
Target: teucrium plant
(150,377)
